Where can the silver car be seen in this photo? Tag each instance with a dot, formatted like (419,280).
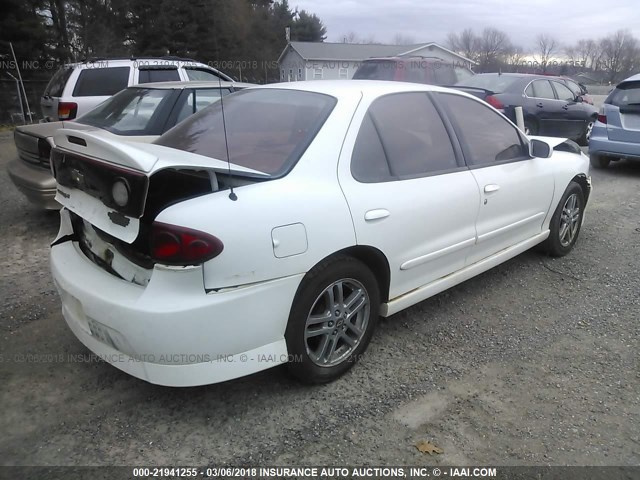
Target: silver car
(616,133)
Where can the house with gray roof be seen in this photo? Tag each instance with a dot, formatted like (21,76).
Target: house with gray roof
(331,61)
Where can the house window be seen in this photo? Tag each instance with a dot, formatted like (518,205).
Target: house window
(343,73)
(291,77)
(282,75)
(317,74)
(300,74)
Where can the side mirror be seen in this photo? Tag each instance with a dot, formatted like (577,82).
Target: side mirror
(579,99)
(539,149)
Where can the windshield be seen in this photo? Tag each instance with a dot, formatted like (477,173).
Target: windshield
(267,129)
(133,111)
(627,93)
(495,83)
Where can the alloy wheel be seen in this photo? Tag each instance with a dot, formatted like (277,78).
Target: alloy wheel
(337,322)
(569,220)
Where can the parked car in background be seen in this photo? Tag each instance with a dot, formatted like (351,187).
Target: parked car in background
(549,106)
(182,262)
(77,88)
(140,113)
(616,134)
(430,70)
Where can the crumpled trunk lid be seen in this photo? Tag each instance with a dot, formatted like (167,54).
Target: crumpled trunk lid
(87,166)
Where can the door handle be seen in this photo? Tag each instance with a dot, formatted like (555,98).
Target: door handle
(539,104)
(566,107)
(376,214)
(491,188)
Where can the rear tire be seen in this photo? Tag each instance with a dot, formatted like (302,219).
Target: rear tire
(598,161)
(530,127)
(584,139)
(566,222)
(332,319)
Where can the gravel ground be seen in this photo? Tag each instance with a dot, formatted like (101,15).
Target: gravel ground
(533,363)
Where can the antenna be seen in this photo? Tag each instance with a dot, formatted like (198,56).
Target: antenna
(232,194)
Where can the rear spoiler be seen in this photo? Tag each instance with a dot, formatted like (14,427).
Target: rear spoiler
(143,157)
(481,93)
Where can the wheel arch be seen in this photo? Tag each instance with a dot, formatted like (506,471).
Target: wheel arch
(375,260)
(582,180)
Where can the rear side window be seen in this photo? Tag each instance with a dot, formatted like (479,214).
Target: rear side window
(542,89)
(486,136)
(158,75)
(625,94)
(267,129)
(402,136)
(55,87)
(95,82)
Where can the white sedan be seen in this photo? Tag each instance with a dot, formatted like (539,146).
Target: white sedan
(278,225)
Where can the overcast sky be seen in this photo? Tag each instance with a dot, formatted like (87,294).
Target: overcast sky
(522,20)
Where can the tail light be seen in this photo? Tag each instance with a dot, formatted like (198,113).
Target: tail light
(175,245)
(602,118)
(67,110)
(494,102)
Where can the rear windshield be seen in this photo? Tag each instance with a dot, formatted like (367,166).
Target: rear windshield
(55,87)
(267,129)
(495,83)
(96,82)
(133,111)
(376,70)
(627,93)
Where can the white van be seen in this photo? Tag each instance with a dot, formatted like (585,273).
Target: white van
(77,88)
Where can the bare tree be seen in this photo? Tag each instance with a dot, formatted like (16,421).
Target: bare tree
(466,43)
(515,58)
(353,37)
(619,54)
(401,39)
(494,46)
(547,46)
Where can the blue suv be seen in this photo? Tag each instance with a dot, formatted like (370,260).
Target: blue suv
(616,133)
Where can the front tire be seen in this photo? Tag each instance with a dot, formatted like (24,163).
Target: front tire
(332,319)
(566,222)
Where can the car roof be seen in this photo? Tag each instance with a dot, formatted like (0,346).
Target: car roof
(339,88)
(404,59)
(517,75)
(632,78)
(179,85)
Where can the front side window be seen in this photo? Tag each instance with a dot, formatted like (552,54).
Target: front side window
(266,129)
(486,136)
(98,82)
(402,136)
(563,92)
(133,111)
